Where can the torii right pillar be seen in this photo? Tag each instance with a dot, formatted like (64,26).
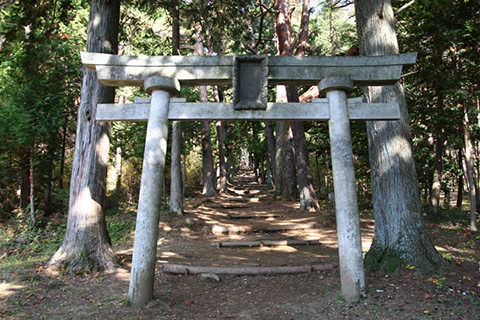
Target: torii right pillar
(346,207)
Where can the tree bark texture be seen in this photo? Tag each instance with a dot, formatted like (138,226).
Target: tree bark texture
(222,185)
(400,235)
(460,180)
(220,126)
(176,188)
(285,178)
(86,244)
(284,34)
(285,162)
(271,162)
(469,172)
(25,177)
(175,27)
(207,153)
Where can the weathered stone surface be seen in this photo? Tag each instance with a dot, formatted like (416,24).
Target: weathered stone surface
(336,83)
(170,85)
(250,82)
(346,206)
(122,70)
(146,230)
(180,110)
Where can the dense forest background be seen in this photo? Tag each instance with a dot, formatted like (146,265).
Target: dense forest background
(41,78)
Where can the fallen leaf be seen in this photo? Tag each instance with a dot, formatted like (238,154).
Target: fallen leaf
(188,302)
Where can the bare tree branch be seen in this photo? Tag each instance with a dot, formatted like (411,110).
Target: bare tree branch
(405,6)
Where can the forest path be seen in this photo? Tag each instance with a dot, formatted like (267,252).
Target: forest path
(28,293)
(247,227)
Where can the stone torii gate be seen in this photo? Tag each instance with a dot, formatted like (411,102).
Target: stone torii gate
(249,75)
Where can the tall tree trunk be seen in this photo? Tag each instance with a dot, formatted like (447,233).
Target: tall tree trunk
(285,166)
(272,165)
(220,126)
(62,156)
(87,245)
(333,46)
(460,180)
(284,34)
(31,192)
(222,186)
(175,27)
(400,234)
(469,172)
(437,172)
(24,176)
(118,169)
(207,153)
(319,175)
(176,189)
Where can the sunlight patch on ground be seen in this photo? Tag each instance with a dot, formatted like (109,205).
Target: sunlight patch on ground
(168,254)
(121,274)
(277,249)
(8,289)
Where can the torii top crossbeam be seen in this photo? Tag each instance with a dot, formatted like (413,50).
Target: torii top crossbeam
(113,70)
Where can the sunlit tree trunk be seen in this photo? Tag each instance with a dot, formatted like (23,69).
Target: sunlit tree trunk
(87,245)
(285,162)
(469,172)
(284,34)
(400,236)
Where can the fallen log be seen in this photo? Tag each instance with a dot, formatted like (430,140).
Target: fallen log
(269,243)
(240,271)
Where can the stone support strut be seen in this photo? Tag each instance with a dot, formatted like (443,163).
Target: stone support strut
(146,231)
(346,207)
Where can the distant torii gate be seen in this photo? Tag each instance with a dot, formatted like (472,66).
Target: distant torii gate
(250,75)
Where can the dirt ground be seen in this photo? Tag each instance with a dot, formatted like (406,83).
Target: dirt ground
(454,293)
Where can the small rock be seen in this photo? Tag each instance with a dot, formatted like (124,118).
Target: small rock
(212,276)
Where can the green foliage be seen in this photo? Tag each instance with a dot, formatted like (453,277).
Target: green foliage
(445,34)
(39,56)
(119,230)
(21,238)
(332,30)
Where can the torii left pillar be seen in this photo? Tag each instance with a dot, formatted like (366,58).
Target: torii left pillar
(146,230)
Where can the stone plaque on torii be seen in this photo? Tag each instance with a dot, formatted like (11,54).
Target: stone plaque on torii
(249,75)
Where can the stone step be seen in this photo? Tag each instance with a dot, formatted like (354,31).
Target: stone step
(239,229)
